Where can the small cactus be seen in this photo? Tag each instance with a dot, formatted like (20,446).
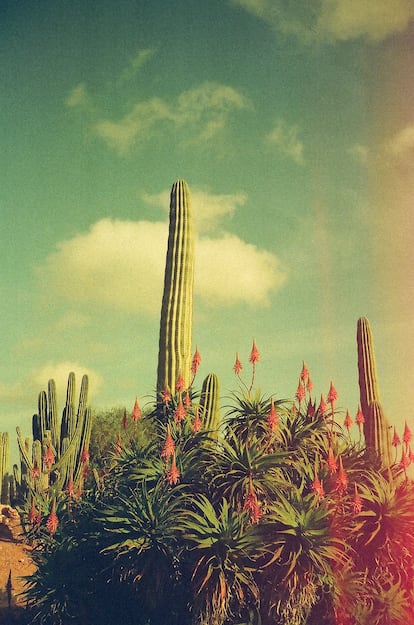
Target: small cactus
(209,404)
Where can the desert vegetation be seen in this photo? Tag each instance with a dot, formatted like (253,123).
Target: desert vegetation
(207,510)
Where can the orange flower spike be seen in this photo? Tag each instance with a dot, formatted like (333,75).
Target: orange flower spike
(348,421)
(52,522)
(332,395)
(309,385)
(84,456)
(180,413)
(70,489)
(254,354)
(173,474)
(166,395)
(35,470)
(342,479)
(359,419)
(49,457)
(33,516)
(331,462)
(272,417)
(187,400)
(395,439)
(304,375)
(405,460)
(118,445)
(195,362)
(322,406)
(251,504)
(237,365)
(317,486)
(136,412)
(168,448)
(197,424)
(300,392)
(407,435)
(180,384)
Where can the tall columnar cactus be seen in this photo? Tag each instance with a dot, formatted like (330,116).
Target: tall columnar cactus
(174,356)
(376,426)
(59,452)
(209,404)
(5,477)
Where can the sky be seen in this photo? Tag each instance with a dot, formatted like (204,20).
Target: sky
(293,125)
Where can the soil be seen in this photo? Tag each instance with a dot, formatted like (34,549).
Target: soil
(14,557)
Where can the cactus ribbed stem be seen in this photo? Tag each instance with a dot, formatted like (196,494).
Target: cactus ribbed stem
(376,426)
(367,372)
(174,357)
(4,467)
(209,404)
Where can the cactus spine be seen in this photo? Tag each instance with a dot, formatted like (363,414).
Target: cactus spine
(209,404)
(376,426)
(174,356)
(59,451)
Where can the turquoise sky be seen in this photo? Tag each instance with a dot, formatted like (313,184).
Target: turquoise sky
(293,124)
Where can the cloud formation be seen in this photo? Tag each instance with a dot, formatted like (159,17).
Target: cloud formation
(401,144)
(286,139)
(203,111)
(334,20)
(120,264)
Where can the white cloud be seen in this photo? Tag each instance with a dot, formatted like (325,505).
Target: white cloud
(286,139)
(333,20)
(79,98)
(230,271)
(203,111)
(120,265)
(141,58)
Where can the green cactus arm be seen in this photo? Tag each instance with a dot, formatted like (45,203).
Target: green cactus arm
(174,357)
(52,420)
(209,403)
(379,437)
(367,371)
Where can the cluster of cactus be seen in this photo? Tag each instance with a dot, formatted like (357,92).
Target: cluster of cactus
(376,427)
(175,341)
(59,455)
(6,480)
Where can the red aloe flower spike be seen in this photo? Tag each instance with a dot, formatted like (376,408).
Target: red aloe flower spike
(310,411)
(405,459)
(49,457)
(410,454)
(166,395)
(407,436)
(52,520)
(322,406)
(125,420)
(173,474)
(196,427)
(179,413)
(342,479)
(331,462)
(300,392)
(317,486)
(180,384)
(168,448)
(304,375)
(251,504)
(84,456)
(254,354)
(309,385)
(70,489)
(79,492)
(348,421)
(332,395)
(395,439)
(195,362)
(237,365)
(187,400)
(136,412)
(272,417)
(356,502)
(359,419)
(35,470)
